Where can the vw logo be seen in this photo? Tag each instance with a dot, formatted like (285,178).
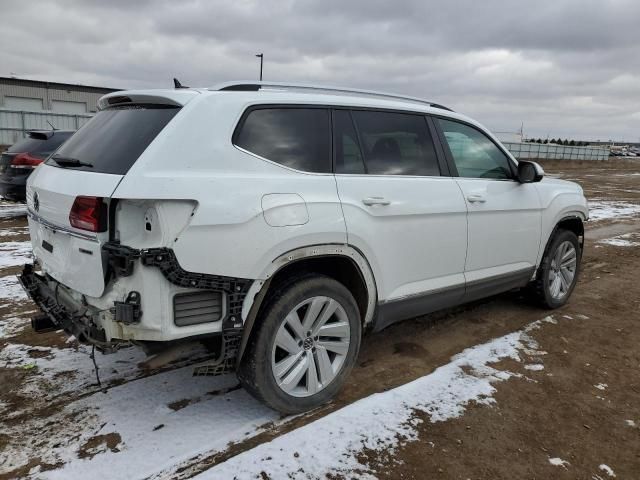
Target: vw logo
(36,202)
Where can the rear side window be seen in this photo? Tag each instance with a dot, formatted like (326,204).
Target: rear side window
(40,146)
(474,154)
(294,137)
(114,138)
(396,144)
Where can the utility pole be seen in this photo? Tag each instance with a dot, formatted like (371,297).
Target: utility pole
(261,55)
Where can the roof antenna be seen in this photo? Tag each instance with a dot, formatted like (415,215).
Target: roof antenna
(177,84)
(52,127)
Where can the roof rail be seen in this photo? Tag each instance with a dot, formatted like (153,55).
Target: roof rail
(251,86)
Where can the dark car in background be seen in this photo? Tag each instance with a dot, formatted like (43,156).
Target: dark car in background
(17,163)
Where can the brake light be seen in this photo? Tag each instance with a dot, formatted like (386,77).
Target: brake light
(89,213)
(25,161)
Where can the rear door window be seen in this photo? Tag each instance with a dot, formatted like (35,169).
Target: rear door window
(396,144)
(294,137)
(114,138)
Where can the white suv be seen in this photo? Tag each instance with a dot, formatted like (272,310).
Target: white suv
(280,222)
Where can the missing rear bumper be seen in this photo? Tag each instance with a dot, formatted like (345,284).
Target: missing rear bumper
(59,316)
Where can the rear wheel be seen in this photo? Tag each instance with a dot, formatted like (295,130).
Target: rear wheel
(306,344)
(559,270)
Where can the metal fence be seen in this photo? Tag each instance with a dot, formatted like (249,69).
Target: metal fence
(536,151)
(15,123)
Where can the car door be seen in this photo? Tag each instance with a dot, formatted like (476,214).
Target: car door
(407,218)
(504,216)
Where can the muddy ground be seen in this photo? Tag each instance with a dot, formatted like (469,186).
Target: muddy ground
(576,416)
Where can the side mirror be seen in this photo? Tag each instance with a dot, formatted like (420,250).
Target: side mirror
(529,172)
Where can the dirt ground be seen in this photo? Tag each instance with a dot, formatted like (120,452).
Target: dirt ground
(570,419)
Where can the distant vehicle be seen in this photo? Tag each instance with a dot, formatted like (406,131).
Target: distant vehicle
(17,163)
(280,222)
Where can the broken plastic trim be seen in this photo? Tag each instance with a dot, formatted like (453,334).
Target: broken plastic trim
(122,259)
(128,312)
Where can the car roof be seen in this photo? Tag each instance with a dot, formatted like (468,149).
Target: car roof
(252,92)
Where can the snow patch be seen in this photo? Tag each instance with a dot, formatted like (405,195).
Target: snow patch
(630,423)
(171,420)
(12,325)
(602,210)
(11,290)
(381,422)
(606,469)
(68,370)
(11,210)
(13,254)
(534,367)
(163,420)
(14,232)
(601,386)
(626,240)
(558,462)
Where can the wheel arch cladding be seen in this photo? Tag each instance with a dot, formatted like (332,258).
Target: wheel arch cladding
(572,223)
(341,263)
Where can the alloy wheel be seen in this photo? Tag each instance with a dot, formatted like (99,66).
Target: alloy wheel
(310,346)
(562,270)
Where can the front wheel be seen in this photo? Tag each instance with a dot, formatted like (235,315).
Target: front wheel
(307,341)
(558,273)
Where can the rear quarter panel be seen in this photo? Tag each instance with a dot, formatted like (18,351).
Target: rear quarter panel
(194,159)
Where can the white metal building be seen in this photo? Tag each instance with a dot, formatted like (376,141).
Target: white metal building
(31,104)
(36,96)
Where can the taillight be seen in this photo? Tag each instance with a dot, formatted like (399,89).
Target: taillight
(25,161)
(89,213)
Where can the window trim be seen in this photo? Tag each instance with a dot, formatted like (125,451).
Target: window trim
(333,143)
(272,106)
(449,156)
(440,152)
(446,164)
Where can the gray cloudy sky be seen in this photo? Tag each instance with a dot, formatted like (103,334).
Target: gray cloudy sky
(567,68)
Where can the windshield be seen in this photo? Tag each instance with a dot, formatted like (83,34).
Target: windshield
(113,139)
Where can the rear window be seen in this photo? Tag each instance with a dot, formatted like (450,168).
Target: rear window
(295,137)
(40,146)
(114,138)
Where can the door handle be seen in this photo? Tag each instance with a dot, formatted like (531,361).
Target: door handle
(369,201)
(476,198)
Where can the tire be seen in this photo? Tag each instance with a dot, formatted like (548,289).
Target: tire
(270,372)
(545,288)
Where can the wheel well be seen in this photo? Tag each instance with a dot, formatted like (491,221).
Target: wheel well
(338,267)
(573,224)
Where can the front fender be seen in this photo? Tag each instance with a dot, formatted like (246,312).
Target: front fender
(562,206)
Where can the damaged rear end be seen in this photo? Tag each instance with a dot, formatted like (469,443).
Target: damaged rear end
(105,270)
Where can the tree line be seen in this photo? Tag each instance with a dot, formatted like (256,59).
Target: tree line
(558,141)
